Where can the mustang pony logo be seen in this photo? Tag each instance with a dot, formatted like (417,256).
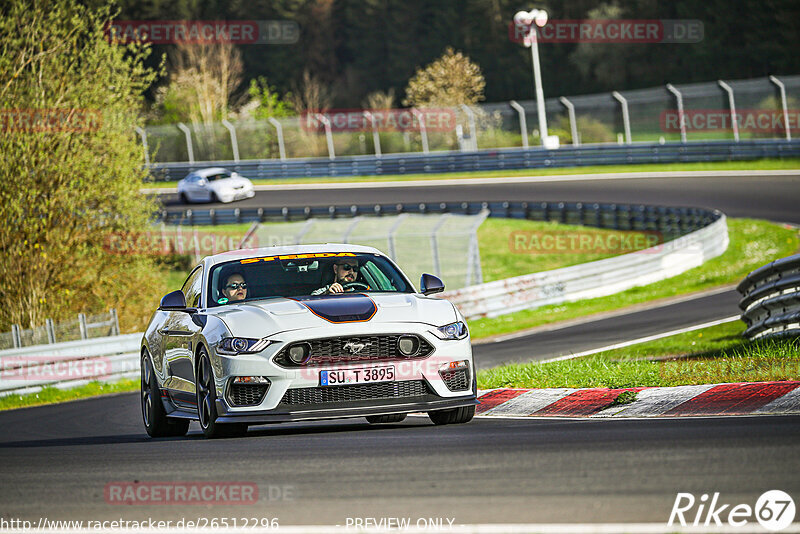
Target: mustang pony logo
(354,348)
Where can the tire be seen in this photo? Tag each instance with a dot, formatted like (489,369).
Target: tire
(389,418)
(454,416)
(213,198)
(184,198)
(207,402)
(155,419)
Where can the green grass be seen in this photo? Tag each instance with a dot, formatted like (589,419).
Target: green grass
(753,243)
(762,164)
(712,355)
(51,395)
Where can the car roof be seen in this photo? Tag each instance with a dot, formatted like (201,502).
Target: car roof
(286,250)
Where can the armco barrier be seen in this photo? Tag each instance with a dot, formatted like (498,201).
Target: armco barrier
(69,364)
(771,299)
(493,159)
(594,279)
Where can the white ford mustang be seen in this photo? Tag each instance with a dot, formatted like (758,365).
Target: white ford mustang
(300,333)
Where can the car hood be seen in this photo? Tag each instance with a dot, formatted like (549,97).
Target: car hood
(260,318)
(229,183)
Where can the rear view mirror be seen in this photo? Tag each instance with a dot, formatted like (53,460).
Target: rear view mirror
(429,284)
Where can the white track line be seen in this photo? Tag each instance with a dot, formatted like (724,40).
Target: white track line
(642,339)
(507,180)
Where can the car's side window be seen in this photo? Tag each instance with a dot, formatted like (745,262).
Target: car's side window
(193,287)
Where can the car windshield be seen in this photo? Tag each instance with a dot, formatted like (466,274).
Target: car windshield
(218,176)
(296,275)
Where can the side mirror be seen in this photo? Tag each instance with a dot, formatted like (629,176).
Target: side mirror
(175,301)
(429,284)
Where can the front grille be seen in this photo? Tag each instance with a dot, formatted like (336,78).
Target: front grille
(327,351)
(247,394)
(360,392)
(455,380)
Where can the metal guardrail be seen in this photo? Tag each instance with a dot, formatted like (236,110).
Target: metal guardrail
(69,364)
(493,159)
(770,301)
(593,279)
(668,220)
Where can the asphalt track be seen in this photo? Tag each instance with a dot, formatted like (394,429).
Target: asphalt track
(57,461)
(770,197)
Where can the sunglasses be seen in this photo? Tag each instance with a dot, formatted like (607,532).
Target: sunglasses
(348,267)
(236,286)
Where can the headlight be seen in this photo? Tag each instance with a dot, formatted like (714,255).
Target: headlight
(457,330)
(241,345)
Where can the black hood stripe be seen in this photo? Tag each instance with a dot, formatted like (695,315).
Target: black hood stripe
(348,308)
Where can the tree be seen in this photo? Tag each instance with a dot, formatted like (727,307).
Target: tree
(71,168)
(266,102)
(451,80)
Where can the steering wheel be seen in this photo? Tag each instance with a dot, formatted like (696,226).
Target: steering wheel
(355,285)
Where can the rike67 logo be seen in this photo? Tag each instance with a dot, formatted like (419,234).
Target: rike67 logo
(774,510)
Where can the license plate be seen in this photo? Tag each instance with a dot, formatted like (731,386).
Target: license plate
(364,375)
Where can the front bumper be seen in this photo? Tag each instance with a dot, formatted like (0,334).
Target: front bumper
(296,394)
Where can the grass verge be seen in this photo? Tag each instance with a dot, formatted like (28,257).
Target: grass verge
(51,395)
(753,243)
(761,164)
(717,354)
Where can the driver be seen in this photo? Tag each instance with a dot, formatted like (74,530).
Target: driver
(345,271)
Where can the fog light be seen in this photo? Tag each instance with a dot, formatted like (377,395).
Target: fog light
(460,364)
(250,380)
(408,345)
(299,354)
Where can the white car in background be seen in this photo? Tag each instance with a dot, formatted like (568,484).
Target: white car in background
(214,184)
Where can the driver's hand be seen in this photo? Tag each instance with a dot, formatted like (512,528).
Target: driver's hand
(336,288)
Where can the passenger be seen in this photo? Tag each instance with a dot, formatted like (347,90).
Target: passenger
(235,288)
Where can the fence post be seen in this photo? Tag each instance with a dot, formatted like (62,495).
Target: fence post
(681,117)
(626,120)
(234,142)
(143,134)
(472,129)
(328,134)
(784,105)
(51,331)
(437,270)
(392,231)
(279,129)
(573,123)
(114,322)
(82,326)
(376,138)
(423,131)
(16,338)
(523,126)
(732,105)
(188,133)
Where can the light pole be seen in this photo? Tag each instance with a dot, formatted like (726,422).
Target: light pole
(531,19)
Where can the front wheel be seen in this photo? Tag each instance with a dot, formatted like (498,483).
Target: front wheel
(156,422)
(207,403)
(454,416)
